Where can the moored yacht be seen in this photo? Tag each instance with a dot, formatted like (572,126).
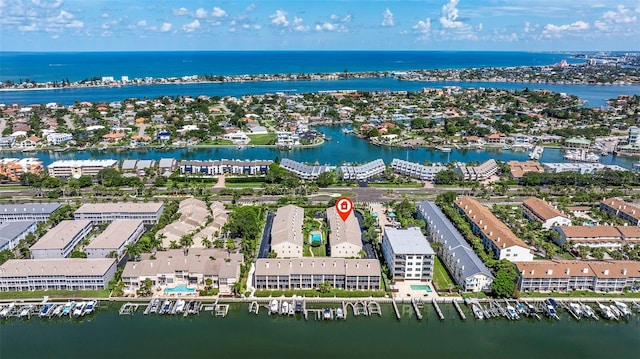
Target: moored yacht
(273,307)
(511,312)
(78,311)
(623,308)
(339,313)
(284,310)
(91,307)
(606,312)
(577,309)
(589,312)
(179,308)
(25,310)
(477,311)
(66,310)
(7,310)
(46,310)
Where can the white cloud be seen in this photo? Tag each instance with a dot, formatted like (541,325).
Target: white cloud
(250,7)
(218,13)
(192,26)
(576,26)
(48,5)
(166,27)
(449,16)
(28,28)
(200,13)
(387,18)
(327,26)
(347,18)
(142,23)
(423,29)
(181,11)
(105,16)
(621,16)
(298,25)
(279,18)
(601,25)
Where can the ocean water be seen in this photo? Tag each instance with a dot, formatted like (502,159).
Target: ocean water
(244,335)
(76,66)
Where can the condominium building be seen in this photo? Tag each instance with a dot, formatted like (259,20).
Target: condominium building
(345,237)
(543,212)
(11,233)
(56,274)
(286,232)
(219,167)
(39,212)
(304,171)
(13,168)
(363,172)
(149,212)
(58,138)
(416,170)
(309,273)
(191,268)
(582,167)
(495,234)
(115,238)
(519,169)
(609,237)
(60,241)
(457,255)
(477,173)
(407,254)
(77,168)
(622,209)
(568,275)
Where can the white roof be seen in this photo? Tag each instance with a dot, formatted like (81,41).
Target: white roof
(408,241)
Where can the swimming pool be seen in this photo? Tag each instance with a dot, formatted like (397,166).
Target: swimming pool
(424,287)
(180,289)
(316,237)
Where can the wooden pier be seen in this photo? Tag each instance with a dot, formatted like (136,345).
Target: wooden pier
(416,308)
(395,308)
(437,307)
(457,305)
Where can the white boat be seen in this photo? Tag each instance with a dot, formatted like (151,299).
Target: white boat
(616,311)
(588,312)
(91,307)
(179,308)
(623,308)
(550,310)
(58,311)
(326,314)
(339,313)
(46,310)
(155,303)
(577,309)
(606,312)
(273,308)
(166,306)
(25,310)
(511,312)
(477,311)
(66,310)
(536,153)
(78,310)
(284,310)
(7,310)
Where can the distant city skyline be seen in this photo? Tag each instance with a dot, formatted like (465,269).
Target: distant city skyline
(518,25)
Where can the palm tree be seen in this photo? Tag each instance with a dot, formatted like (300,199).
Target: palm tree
(173,245)
(133,251)
(206,242)
(186,241)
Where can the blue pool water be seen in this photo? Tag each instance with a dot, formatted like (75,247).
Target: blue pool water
(316,237)
(425,287)
(179,289)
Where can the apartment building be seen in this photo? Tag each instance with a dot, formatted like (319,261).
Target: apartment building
(13,168)
(11,233)
(609,237)
(77,168)
(363,172)
(542,211)
(220,167)
(60,240)
(622,209)
(416,170)
(407,254)
(304,171)
(286,232)
(149,212)
(39,212)
(345,237)
(115,238)
(481,172)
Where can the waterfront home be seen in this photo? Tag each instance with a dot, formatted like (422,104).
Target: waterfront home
(58,138)
(148,212)
(577,142)
(60,241)
(13,168)
(477,173)
(56,274)
(495,234)
(461,260)
(221,167)
(345,237)
(416,170)
(177,267)
(115,238)
(408,254)
(518,169)
(286,232)
(304,171)
(310,273)
(363,172)
(582,168)
(11,233)
(609,237)
(566,275)
(622,209)
(237,137)
(543,212)
(77,168)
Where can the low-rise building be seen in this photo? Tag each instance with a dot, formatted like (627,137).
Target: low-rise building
(568,275)
(191,268)
(39,212)
(286,232)
(309,273)
(167,166)
(11,233)
(457,255)
(580,167)
(480,172)
(609,237)
(115,238)
(363,172)
(13,168)
(518,169)
(622,209)
(541,211)
(345,237)
(304,171)
(220,167)
(56,274)
(407,254)
(416,170)
(148,212)
(60,240)
(77,168)
(58,138)
(495,234)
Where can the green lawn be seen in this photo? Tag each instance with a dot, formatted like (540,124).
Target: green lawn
(441,276)
(216,143)
(320,251)
(266,139)
(56,294)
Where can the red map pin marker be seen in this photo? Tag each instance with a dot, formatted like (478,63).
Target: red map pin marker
(344,207)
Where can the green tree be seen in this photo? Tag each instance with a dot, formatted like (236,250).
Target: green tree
(145,288)
(5,255)
(109,177)
(504,283)
(326,179)
(325,287)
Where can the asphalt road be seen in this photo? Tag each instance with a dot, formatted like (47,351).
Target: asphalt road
(367,247)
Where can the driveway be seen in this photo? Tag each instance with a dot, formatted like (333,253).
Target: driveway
(265,242)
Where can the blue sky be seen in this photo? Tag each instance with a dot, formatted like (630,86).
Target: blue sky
(529,25)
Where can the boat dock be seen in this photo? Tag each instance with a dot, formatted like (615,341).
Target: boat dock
(254,307)
(374,308)
(566,306)
(221,310)
(437,307)
(395,309)
(129,308)
(417,308)
(457,306)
